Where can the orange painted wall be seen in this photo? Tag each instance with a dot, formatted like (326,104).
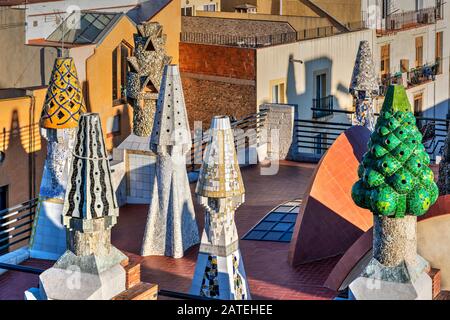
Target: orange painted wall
(22,145)
(99,81)
(170,19)
(99,68)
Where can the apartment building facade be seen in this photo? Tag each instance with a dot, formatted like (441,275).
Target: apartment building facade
(191,7)
(316,73)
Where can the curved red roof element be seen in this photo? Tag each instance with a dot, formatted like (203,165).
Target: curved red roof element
(364,244)
(329,222)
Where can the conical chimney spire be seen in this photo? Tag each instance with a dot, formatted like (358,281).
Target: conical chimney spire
(64,102)
(364,76)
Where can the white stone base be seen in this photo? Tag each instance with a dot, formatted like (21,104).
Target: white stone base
(49,235)
(140,168)
(403,282)
(62,284)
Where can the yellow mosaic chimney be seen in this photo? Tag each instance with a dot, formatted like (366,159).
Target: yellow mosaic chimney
(64,102)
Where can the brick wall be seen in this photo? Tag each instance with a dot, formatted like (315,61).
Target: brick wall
(222,61)
(205,99)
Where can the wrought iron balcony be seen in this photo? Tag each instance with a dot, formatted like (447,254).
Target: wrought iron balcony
(411,19)
(323,107)
(411,78)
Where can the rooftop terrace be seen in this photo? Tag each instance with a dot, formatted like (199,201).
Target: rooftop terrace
(278,280)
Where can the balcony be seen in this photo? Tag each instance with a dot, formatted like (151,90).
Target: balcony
(410,19)
(323,107)
(412,78)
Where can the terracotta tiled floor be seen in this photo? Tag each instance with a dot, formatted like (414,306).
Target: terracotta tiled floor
(270,276)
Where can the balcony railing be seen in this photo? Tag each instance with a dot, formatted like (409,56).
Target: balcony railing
(411,78)
(323,107)
(411,19)
(15,225)
(256,41)
(307,132)
(250,126)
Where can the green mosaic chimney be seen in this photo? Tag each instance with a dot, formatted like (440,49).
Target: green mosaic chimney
(394,176)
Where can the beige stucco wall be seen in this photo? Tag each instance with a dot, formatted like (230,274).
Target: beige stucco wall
(290,7)
(433,238)
(298,23)
(333,55)
(198,4)
(403,47)
(21,65)
(343,10)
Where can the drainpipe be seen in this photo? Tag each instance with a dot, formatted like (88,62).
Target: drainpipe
(31,147)
(281,7)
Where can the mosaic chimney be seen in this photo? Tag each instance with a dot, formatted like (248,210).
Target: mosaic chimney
(59,119)
(397,185)
(144,79)
(364,87)
(90,268)
(220,272)
(171,226)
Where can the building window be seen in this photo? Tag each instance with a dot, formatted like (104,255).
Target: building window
(119,73)
(419,5)
(35,23)
(321,86)
(209,7)
(278,94)
(385,60)
(439,50)
(385,8)
(419,52)
(186,11)
(3,198)
(113,126)
(322,102)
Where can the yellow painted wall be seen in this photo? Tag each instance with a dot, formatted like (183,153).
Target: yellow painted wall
(290,7)
(99,68)
(99,81)
(198,4)
(21,143)
(343,10)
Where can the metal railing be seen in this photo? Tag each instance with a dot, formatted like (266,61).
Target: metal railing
(256,41)
(323,107)
(411,78)
(316,137)
(246,130)
(408,19)
(16,224)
